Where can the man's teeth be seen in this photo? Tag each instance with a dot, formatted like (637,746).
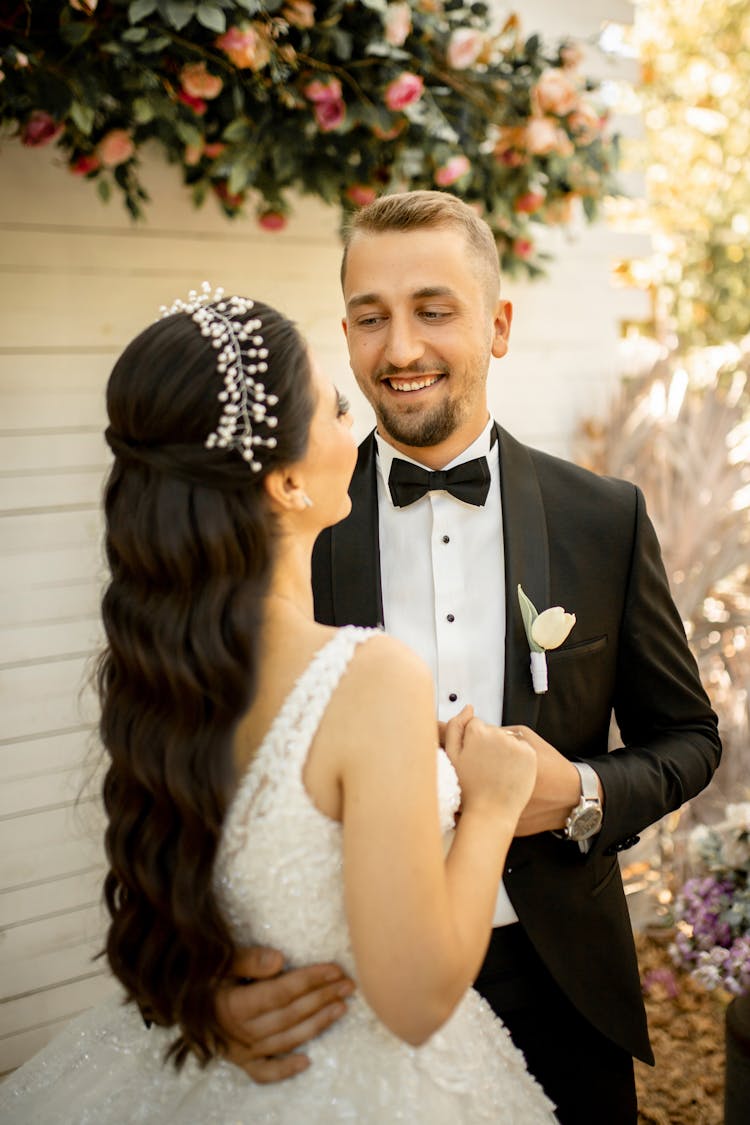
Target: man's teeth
(415,384)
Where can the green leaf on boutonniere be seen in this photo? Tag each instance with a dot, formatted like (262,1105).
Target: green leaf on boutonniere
(529,615)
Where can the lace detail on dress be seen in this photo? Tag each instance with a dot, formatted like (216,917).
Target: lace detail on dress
(278,878)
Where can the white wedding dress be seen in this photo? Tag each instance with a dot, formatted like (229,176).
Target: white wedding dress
(279,881)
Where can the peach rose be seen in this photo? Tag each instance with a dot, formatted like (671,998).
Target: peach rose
(198,83)
(40,129)
(360,194)
(540,135)
(397,21)
(299,13)
(87,6)
(584,123)
(115,147)
(404,90)
(464,47)
(192,154)
(245,47)
(555,93)
(452,170)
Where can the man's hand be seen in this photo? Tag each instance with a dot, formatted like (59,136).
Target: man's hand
(275,1012)
(557,788)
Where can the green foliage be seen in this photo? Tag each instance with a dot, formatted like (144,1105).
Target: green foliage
(696,88)
(337,99)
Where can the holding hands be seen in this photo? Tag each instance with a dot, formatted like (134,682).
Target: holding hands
(496,766)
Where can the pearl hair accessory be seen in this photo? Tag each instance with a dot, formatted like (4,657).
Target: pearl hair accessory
(242,356)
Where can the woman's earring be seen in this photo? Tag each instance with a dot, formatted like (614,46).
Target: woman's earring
(306,500)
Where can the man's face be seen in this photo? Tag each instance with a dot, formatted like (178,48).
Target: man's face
(421,327)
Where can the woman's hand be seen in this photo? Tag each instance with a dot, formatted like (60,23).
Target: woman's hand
(495,765)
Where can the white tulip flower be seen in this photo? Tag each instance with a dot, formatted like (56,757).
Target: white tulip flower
(551,627)
(543,631)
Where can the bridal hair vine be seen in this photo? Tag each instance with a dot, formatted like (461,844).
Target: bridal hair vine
(242,356)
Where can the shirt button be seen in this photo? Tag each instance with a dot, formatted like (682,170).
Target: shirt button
(446,538)
(450,617)
(453,697)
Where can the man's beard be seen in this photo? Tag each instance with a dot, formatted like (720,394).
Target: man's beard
(420,429)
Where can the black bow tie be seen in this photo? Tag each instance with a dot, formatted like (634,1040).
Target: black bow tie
(469,482)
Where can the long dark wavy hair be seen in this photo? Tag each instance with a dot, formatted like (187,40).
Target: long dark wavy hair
(190,544)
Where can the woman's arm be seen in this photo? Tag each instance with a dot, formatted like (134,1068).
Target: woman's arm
(419,924)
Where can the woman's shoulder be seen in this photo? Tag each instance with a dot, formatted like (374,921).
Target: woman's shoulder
(388,658)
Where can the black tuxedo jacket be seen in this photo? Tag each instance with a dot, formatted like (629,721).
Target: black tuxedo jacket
(585,542)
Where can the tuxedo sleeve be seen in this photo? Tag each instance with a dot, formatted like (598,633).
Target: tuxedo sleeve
(671,745)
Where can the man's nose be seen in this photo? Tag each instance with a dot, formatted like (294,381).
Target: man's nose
(404,345)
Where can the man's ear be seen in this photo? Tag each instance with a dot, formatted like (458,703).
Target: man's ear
(285,489)
(501,328)
(345,326)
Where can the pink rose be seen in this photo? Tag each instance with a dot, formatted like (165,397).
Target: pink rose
(198,83)
(87,6)
(21,60)
(272,220)
(522,247)
(40,129)
(360,194)
(555,93)
(330,109)
(299,13)
(404,90)
(192,154)
(529,202)
(452,171)
(318,91)
(329,114)
(464,48)
(84,164)
(397,21)
(115,147)
(245,47)
(540,135)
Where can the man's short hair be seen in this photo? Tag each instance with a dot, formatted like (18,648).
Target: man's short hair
(415,210)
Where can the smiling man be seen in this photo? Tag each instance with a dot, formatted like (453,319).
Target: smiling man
(450,514)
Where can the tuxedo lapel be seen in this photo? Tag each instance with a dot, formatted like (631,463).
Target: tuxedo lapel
(526,562)
(355,549)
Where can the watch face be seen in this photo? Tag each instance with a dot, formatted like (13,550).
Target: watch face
(585,823)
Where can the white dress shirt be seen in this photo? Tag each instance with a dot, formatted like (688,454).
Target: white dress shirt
(443,585)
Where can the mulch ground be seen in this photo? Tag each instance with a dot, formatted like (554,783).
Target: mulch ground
(686,1087)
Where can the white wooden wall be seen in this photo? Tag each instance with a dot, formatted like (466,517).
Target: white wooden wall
(77,281)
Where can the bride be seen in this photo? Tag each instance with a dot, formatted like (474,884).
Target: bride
(272,781)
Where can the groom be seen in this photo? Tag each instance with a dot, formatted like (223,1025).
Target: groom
(436,553)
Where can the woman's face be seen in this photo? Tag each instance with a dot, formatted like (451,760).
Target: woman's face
(331,453)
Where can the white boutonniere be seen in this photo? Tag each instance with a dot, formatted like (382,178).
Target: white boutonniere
(543,630)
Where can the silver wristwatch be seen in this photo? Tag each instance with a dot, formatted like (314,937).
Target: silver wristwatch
(585,818)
